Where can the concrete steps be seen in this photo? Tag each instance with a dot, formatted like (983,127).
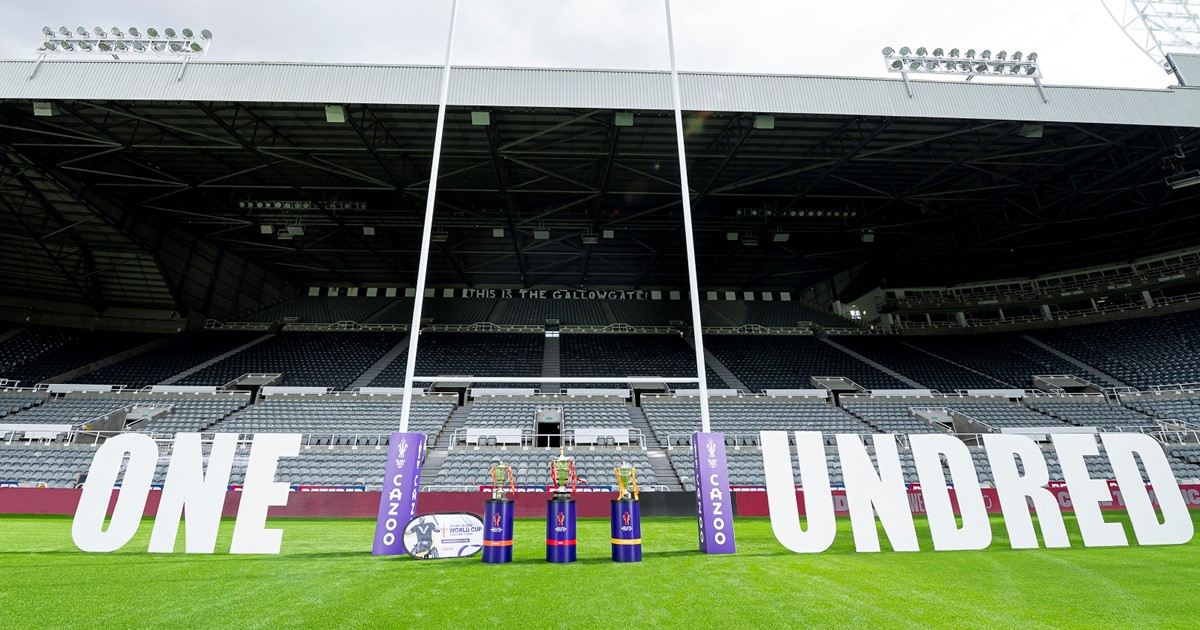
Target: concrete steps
(1073,361)
(965,367)
(878,366)
(196,368)
(436,456)
(711,360)
(551,364)
(379,366)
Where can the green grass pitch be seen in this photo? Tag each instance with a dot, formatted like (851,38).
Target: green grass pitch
(326,577)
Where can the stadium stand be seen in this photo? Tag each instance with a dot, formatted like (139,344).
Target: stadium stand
(1006,357)
(339,420)
(890,416)
(674,420)
(159,364)
(310,359)
(497,412)
(537,311)
(188,412)
(650,312)
(1098,414)
(616,355)
(773,313)
(920,366)
(1186,410)
(13,401)
(470,467)
(788,362)
(1143,352)
(478,354)
(321,309)
(30,343)
(78,348)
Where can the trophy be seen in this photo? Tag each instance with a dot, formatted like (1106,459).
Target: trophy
(502,475)
(562,472)
(626,481)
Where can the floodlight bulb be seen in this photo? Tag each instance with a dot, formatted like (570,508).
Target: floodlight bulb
(170,32)
(1002,55)
(122,47)
(897,64)
(133,32)
(116,32)
(986,54)
(938,52)
(887,50)
(921,52)
(931,64)
(176,47)
(47,31)
(64,31)
(950,65)
(970,53)
(100,32)
(1015,69)
(1032,57)
(964,66)
(187,32)
(105,46)
(49,46)
(953,52)
(915,65)
(1016,56)
(139,46)
(205,34)
(160,47)
(68,46)
(1030,69)
(152,32)
(905,50)
(196,47)
(84,46)
(82,32)
(981,67)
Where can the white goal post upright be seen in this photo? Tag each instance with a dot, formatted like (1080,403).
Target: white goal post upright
(414,331)
(685,191)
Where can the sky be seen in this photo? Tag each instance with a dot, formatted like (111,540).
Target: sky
(1076,40)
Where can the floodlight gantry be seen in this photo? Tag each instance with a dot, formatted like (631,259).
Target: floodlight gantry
(967,63)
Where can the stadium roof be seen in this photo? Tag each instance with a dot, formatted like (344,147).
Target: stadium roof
(144,190)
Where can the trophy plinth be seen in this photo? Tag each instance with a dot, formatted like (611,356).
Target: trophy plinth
(560,529)
(626,529)
(497,531)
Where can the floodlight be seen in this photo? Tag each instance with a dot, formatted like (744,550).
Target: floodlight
(981,68)
(937,52)
(497,232)
(986,54)
(194,47)
(1002,55)
(780,237)
(133,32)
(903,51)
(160,47)
(590,238)
(1030,69)
(368,230)
(68,46)
(122,47)
(116,32)
(49,46)
(139,46)
(921,52)
(887,50)
(64,31)
(47,31)
(951,66)
(541,235)
(82,32)
(205,34)
(170,32)
(897,64)
(931,64)
(953,52)
(970,53)
(105,46)
(187,32)
(266,228)
(1016,56)
(176,47)
(99,32)
(152,32)
(1032,57)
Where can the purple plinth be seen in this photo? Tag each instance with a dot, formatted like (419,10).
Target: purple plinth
(497,531)
(714,505)
(398,502)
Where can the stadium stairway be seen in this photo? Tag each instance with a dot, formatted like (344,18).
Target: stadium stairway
(710,359)
(383,312)
(551,364)
(609,315)
(498,310)
(965,367)
(436,456)
(664,472)
(379,366)
(196,368)
(1072,360)
(710,316)
(886,370)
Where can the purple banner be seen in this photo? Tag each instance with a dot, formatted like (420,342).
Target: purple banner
(398,501)
(714,503)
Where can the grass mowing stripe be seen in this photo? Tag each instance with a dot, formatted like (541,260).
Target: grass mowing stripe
(326,576)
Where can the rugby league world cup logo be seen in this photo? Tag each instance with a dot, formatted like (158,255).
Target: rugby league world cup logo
(711,447)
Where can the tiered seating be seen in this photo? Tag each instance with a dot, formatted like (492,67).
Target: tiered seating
(774,313)
(620,355)
(1142,352)
(537,311)
(787,362)
(74,410)
(470,467)
(83,348)
(454,311)
(314,359)
(650,312)
(1002,414)
(520,413)
(890,417)
(30,343)
(1182,409)
(1005,357)
(673,421)
(56,467)
(322,309)
(337,420)
(919,366)
(188,413)
(1094,414)
(158,365)
(314,467)
(478,354)
(14,401)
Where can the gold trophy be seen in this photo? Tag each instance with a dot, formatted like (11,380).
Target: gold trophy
(562,472)
(502,475)
(627,481)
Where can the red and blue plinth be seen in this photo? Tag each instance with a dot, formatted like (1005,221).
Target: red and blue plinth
(560,530)
(497,531)
(626,531)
